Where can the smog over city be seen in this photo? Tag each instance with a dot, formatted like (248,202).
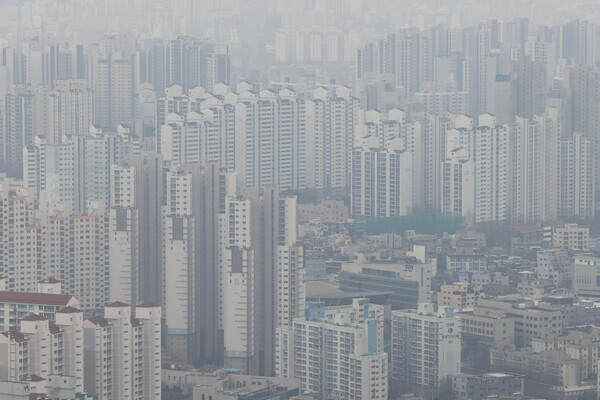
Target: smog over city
(299,199)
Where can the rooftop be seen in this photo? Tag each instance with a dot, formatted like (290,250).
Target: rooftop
(69,310)
(34,317)
(35,298)
(117,304)
(99,321)
(15,335)
(148,304)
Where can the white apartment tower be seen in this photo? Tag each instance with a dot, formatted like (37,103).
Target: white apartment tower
(331,123)
(382,183)
(43,348)
(122,353)
(489,148)
(576,178)
(179,260)
(63,111)
(135,241)
(124,249)
(425,349)
(191,255)
(112,90)
(458,184)
(47,243)
(336,352)
(263,276)
(270,142)
(533,169)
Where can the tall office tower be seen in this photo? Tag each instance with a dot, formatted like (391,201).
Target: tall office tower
(543,51)
(504,99)
(533,169)
(192,63)
(9,66)
(132,372)
(195,200)
(18,129)
(551,130)
(270,139)
(381,179)
(113,94)
(426,140)
(336,352)
(260,256)
(482,97)
(149,188)
(489,147)
(576,177)
(577,41)
(45,63)
(217,70)
(458,184)
(331,124)
(184,62)
(136,267)
(367,61)
(152,66)
(584,85)
(425,349)
(145,116)
(179,259)
(407,72)
(124,272)
(66,110)
(528,79)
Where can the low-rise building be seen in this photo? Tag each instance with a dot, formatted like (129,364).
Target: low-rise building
(407,280)
(217,381)
(554,266)
(586,276)
(461,296)
(246,388)
(56,387)
(530,320)
(581,344)
(554,367)
(327,211)
(571,237)
(488,325)
(485,386)
(457,263)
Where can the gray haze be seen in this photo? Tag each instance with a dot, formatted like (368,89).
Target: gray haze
(299,199)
